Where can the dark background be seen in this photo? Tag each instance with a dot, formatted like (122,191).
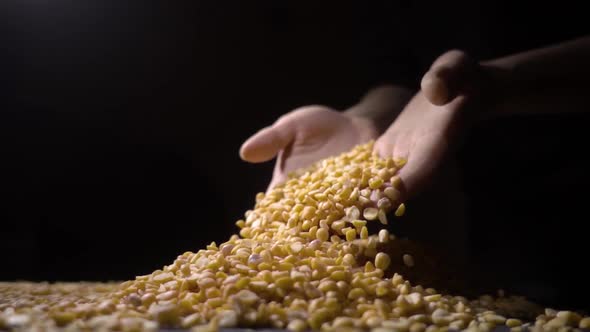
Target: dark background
(121,123)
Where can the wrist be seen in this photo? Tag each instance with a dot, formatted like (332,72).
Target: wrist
(498,84)
(381,106)
(364,119)
(502,78)
(367,127)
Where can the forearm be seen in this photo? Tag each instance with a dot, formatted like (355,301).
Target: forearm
(566,64)
(553,79)
(381,105)
(558,67)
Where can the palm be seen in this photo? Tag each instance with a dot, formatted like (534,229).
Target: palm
(305,136)
(320,133)
(421,135)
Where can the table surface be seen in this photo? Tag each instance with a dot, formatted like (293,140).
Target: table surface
(497,329)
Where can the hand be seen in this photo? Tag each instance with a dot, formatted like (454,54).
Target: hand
(304,136)
(421,136)
(455,73)
(428,127)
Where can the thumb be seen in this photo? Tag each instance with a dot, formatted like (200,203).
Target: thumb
(451,74)
(266,143)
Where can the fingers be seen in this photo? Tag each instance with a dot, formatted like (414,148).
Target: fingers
(450,75)
(393,146)
(435,89)
(422,164)
(383,148)
(266,143)
(396,190)
(417,166)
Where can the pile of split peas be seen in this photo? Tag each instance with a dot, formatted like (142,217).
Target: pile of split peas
(311,255)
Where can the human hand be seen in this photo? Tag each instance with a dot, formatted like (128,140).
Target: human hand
(304,136)
(430,124)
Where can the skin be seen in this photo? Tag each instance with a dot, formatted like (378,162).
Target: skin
(304,136)
(309,134)
(456,93)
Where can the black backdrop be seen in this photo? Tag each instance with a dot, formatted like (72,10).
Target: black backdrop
(121,123)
